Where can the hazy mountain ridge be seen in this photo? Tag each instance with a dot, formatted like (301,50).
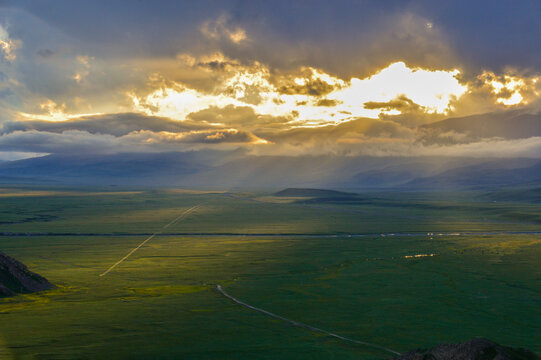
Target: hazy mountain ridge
(234,169)
(481,175)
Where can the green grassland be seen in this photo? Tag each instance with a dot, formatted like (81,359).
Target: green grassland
(161,302)
(146,211)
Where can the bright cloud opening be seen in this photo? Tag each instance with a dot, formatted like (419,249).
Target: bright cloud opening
(53,112)
(510,89)
(316,99)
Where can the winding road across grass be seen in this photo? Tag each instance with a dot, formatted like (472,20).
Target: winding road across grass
(302,325)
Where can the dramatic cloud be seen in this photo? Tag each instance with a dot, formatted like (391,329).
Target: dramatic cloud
(275,77)
(240,117)
(51,111)
(503,125)
(499,148)
(84,60)
(117,133)
(355,131)
(512,89)
(222,28)
(7,45)
(311,98)
(200,136)
(68,142)
(310,81)
(401,103)
(81,142)
(111,124)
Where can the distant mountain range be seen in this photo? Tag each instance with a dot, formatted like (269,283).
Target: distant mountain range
(197,169)
(481,175)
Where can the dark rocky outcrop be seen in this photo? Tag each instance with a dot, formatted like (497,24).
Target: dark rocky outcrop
(476,349)
(15,278)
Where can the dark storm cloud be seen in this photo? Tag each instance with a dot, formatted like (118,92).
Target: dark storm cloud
(220,136)
(402,103)
(80,142)
(67,142)
(217,65)
(45,53)
(327,102)
(102,56)
(112,124)
(355,130)
(313,87)
(363,136)
(235,116)
(136,40)
(514,124)
(489,34)
(337,35)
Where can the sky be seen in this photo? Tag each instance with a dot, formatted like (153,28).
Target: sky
(272,77)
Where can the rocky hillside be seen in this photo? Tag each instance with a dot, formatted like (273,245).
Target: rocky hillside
(15,278)
(476,349)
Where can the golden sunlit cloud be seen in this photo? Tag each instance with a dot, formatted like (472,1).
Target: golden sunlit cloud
(53,112)
(84,60)
(7,45)
(510,90)
(313,99)
(220,28)
(218,136)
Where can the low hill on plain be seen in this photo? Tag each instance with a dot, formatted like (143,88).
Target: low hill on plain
(306,192)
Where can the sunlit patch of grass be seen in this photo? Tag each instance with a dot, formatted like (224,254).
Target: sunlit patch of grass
(502,247)
(34,300)
(24,302)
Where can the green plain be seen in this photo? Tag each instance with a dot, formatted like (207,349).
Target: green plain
(330,265)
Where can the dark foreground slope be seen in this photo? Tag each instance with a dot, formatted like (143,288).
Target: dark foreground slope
(476,349)
(15,278)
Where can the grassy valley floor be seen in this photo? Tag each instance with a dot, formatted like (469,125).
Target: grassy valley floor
(377,271)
